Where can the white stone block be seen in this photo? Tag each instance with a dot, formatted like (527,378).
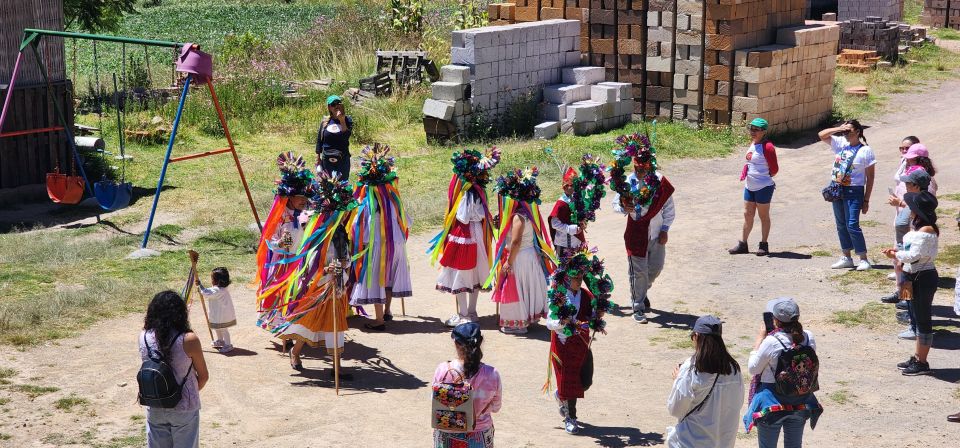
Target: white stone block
(567,43)
(447,91)
(570,28)
(482,71)
(624,89)
(625,107)
(546,130)
(566,93)
(583,75)
(679,81)
(603,94)
(572,58)
(608,110)
(484,39)
(439,109)
(552,30)
(457,74)
(554,112)
(583,111)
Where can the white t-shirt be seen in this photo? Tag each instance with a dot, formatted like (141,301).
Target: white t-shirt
(864,159)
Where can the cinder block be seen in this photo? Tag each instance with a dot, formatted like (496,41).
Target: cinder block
(583,75)
(566,93)
(679,81)
(448,91)
(462,56)
(584,128)
(457,74)
(439,109)
(583,111)
(624,89)
(603,94)
(554,112)
(546,130)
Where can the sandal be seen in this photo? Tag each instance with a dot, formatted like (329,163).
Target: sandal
(388,317)
(298,366)
(380,327)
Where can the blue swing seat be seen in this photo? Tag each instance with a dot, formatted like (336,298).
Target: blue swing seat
(113,195)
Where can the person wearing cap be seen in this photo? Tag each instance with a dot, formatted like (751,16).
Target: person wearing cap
(758,173)
(769,411)
(901,218)
(568,236)
(485,382)
(707,392)
(853,169)
(333,139)
(918,257)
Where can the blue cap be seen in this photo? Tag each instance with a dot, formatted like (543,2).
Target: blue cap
(708,325)
(467,333)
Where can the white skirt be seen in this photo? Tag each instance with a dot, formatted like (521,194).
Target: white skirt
(398,279)
(456,281)
(531,289)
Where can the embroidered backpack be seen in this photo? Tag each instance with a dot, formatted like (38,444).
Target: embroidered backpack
(452,403)
(797,370)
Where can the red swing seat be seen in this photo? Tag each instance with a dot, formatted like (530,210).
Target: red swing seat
(64,189)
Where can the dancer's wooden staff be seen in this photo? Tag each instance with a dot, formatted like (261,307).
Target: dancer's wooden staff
(403,306)
(337,289)
(194,257)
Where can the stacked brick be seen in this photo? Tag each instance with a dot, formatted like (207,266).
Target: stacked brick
(941,13)
(859,61)
(584,103)
(871,34)
(450,102)
(688,60)
(658,88)
(861,9)
(789,83)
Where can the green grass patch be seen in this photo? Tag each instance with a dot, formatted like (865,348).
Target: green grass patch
(946,33)
(949,196)
(68,403)
(869,223)
(841,396)
(4,401)
(821,253)
(949,255)
(33,391)
(871,315)
(673,338)
(136,418)
(912,10)
(7,372)
(876,278)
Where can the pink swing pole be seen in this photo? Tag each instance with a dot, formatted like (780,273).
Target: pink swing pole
(13,82)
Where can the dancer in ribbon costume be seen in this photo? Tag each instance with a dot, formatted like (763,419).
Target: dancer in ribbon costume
(579,296)
(646,197)
(315,302)
(463,246)
(282,234)
(582,195)
(379,233)
(524,256)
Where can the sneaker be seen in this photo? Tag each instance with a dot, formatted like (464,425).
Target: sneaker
(843,263)
(892,276)
(917,368)
(903,317)
(217,344)
(764,250)
(892,298)
(640,317)
(453,321)
(864,265)
(903,305)
(740,248)
(570,425)
(907,334)
(226,349)
(564,410)
(513,330)
(907,363)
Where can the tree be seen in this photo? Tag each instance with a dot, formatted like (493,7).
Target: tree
(96,16)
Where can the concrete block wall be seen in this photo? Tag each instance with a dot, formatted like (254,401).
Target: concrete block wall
(863,9)
(941,13)
(585,103)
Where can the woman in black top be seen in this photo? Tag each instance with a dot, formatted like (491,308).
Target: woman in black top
(333,139)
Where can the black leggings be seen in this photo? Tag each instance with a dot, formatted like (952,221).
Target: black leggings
(586,379)
(924,287)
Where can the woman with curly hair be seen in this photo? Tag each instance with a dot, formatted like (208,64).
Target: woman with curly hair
(166,331)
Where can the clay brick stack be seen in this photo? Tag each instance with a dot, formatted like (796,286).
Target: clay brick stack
(687,60)
(658,89)
(859,61)
(941,13)
(871,34)
(861,9)
(789,83)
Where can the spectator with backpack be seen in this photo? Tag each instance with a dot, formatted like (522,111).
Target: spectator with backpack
(465,393)
(785,365)
(172,374)
(707,392)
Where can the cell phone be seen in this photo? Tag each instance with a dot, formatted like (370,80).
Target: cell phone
(890,190)
(768,321)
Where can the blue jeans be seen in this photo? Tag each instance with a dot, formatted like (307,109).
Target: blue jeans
(170,428)
(792,423)
(846,213)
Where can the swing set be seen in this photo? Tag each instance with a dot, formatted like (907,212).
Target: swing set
(69,189)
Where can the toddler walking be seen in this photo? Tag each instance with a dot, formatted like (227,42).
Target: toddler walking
(222,315)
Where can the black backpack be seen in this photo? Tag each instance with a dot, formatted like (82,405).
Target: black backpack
(157,380)
(797,370)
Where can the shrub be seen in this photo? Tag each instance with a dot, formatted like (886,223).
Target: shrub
(407,16)
(471,15)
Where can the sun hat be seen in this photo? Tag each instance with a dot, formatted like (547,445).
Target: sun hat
(759,123)
(708,325)
(918,177)
(333,99)
(922,204)
(784,309)
(467,333)
(916,150)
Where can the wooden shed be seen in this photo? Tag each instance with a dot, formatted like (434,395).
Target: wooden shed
(26,158)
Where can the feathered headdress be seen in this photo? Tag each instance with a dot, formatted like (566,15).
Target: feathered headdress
(520,185)
(635,150)
(474,166)
(333,193)
(376,167)
(295,178)
(584,264)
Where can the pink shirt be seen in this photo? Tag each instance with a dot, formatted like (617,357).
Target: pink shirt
(487,392)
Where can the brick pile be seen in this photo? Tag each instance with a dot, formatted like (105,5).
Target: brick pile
(858,61)
(658,85)
(941,13)
(789,83)
(871,34)
(584,103)
(861,9)
(687,60)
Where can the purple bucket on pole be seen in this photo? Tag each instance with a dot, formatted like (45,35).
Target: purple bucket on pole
(195,62)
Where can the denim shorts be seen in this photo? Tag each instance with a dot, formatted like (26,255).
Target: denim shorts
(761,196)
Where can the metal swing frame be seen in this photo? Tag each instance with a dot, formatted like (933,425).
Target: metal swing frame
(31,38)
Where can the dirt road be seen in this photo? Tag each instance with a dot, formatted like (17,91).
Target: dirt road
(255,399)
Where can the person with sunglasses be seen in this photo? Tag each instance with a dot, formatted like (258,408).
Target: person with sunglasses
(758,173)
(333,139)
(854,167)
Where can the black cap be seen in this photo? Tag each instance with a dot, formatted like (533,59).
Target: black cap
(467,333)
(708,325)
(922,204)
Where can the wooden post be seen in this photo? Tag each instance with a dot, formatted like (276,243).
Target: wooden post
(403,306)
(337,287)
(194,257)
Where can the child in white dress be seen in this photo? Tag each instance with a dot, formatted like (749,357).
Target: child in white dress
(220,307)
